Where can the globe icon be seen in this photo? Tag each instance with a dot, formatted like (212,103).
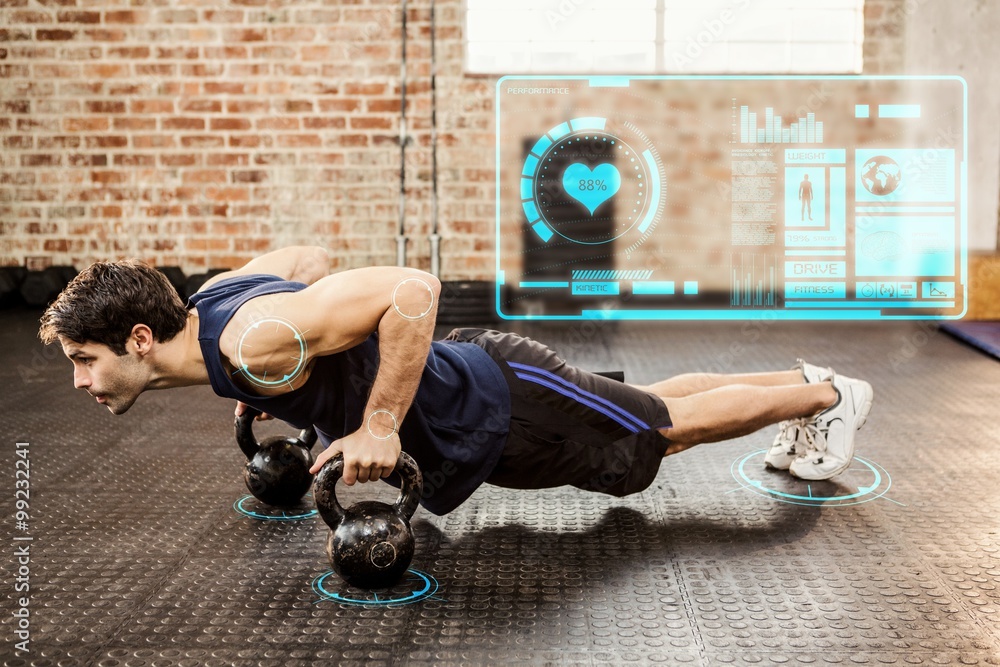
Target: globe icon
(881,175)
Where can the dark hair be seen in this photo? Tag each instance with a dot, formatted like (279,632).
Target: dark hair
(107,299)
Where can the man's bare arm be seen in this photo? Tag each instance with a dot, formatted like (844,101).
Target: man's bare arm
(341,311)
(306,264)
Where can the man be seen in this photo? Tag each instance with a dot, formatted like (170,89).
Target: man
(351,354)
(806,197)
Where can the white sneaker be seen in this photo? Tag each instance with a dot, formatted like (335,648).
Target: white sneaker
(791,432)
(830,435)
(791,438)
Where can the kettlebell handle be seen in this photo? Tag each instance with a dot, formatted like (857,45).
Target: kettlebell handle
(325,493)
(248,443)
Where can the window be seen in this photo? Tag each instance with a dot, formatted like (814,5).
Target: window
(664,36)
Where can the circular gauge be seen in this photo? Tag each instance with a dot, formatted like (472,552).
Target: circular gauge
(590,183)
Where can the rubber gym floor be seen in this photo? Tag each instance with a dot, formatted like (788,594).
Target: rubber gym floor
(140,554)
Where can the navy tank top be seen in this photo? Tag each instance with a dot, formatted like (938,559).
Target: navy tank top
(455,429)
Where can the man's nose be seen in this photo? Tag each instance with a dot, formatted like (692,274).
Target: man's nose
(81,380)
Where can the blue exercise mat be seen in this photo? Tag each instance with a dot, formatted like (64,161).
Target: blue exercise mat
(984,335)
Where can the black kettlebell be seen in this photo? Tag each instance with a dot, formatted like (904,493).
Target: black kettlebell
(277,470)
(370,543)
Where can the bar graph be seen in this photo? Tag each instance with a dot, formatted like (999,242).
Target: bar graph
(752,280)
(803,130)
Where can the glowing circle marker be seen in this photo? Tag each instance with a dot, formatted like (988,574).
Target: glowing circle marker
(416,586)
(425,285)
(368,425)
(875,487)
(242,345)
(244,505)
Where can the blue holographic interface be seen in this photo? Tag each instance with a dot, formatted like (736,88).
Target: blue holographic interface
(729,197)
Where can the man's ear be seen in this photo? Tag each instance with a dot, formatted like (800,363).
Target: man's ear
(142,337)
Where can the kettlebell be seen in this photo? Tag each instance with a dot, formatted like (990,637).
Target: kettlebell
(370,543)
(277,470)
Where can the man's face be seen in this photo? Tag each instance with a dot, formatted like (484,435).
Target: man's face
(114,381)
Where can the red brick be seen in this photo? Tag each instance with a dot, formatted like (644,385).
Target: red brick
(132,160)
(11,71)
(29,17)
(20,142)
(253,176)
(78,17)
(109,211)
(54,35)
(204,176)
(229,88)
(142,141)
(126,16)
(187,160)
(15,106)
(105,70)
(228,159)
(154,69)
(106,177)
(372,123)
(250,141)
(182,123)
(56,70)
(59,141)
(299,140)
(246,106)
(151,106)
(106,141)
(14,34)
(177,52)
(317,52)
(131,123)
(294,106)
(88,160)
(351,140)
(342,104)
(223,16)
(383,106)
(278,123)
(105,35)
(229,124)
(56,245)
(371,89)
(105,106)
(176,16)
(228,52)
(324,123)
(203,106)
(246,35)
(202,141)
(85,124)
(81,53)
(41,160)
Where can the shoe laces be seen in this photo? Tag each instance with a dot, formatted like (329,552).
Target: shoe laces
(814,436)
(790,428)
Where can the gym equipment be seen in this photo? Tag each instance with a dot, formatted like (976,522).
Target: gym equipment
(176,277)
(370,543)
(277,470)
(466,302)
(11,278)
(41,287)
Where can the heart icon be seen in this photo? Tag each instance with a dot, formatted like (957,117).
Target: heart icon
(591,187)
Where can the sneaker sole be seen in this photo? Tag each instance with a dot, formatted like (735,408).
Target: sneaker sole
(862,414)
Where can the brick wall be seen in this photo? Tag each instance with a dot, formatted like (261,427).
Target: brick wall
(203,137)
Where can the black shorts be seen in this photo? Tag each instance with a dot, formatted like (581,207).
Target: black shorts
(570,426)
